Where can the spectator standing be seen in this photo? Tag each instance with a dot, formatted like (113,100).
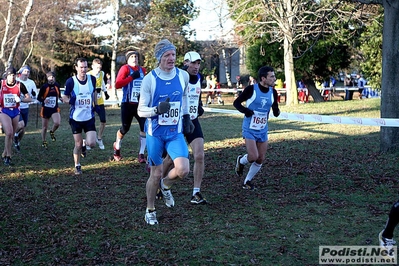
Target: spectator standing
(79,93)
(11,92)
(348,83)
(217,90)
(303,92)
(24,106)
(209,86)
(259,98)
(192,63)
(48,96)
(333,83)
(99,106)
(252,80)
(108,85)
(361,82)
(164,102)
(129,78)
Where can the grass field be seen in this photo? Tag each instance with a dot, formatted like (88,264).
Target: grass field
(321,184)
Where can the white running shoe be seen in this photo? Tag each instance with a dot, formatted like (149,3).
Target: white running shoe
(100,144)
(387,244)
(167,197)
(151,217)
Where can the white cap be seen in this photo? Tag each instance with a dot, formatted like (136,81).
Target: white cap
(192,56)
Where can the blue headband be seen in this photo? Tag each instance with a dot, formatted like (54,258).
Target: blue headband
(160,52)
(23,68)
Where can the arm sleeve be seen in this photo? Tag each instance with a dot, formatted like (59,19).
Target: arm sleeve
(68,87)
(123,78)
(41,93)
(245,95)
(185,100)
(275,102)
(23,89)
(103,87)
(145,101)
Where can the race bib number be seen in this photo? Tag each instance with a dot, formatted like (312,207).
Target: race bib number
(172,117)
(258,120)
(134,96)
(50,102)
(193,106)
(9,100)
(83,101)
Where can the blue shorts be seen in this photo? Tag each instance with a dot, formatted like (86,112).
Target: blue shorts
(174,145)
(79,126)
(24,112)
(11,112)
(257,136)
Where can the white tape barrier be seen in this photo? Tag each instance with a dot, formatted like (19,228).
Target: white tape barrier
(382,122)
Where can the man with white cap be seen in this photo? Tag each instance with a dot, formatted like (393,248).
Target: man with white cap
(164,102)
(129,78)
(24,107)
(192,63)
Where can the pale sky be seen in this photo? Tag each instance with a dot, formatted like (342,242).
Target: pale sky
(213,21)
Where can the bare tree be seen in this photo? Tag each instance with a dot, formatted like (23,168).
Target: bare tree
(287,22)
(17,38)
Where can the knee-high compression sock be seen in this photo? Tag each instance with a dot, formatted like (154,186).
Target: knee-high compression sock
(118,144)
(253,170)
(392,222)
(143,143)
(244,159)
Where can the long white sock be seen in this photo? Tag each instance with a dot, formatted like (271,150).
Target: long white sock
(118,143)
(244,159)
(253,170)
(143,143)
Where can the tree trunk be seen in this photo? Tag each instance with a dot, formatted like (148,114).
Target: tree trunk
(19,34)
(290,84)
(115,44)
(315,93)
(389,136)
(5,36)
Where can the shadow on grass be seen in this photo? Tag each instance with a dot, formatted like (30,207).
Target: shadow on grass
(320,185)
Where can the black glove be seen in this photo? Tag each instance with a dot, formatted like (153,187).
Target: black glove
(249,113)
(163,107)
(33,93)
(135,74)
(276,112)
(106,95)
(98,90)
(188,126)
(200,110)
